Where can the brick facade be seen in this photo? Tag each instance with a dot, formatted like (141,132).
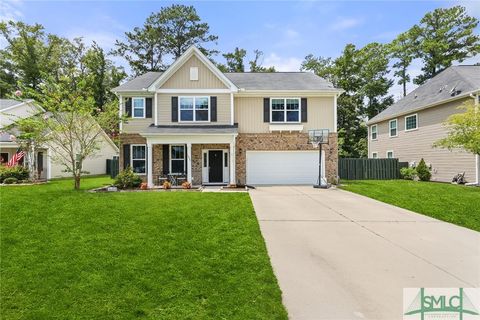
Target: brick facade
(244,142)
(283,142)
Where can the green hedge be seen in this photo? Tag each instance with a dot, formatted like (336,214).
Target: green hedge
(17,172)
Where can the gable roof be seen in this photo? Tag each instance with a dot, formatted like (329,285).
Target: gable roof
(7,103)
(453,83)
(253,81)
(139,83)
(184,58)
(279,81)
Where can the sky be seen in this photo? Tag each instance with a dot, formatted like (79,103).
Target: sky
(286,31)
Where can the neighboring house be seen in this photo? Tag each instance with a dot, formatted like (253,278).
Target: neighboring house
(12,110)
(408,129)
(226,128)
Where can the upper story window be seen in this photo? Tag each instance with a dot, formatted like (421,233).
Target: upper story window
(138,107)
(194,109)
(138,159)
(285,109)
(393,128)
(411,122)
(373,132)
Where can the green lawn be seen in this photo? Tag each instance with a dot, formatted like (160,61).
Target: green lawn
(452,203)
(148,255)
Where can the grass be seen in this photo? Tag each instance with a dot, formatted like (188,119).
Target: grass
(140,255)
(452,203)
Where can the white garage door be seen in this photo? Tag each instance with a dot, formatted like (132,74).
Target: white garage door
(283,167)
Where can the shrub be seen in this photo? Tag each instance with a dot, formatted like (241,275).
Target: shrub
(409,173)
(167,185)
(17,172)
(127,179)
(423,171)
(186,185)
(10,180)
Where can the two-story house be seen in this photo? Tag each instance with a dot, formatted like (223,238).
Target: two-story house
(226,128)
(408,129)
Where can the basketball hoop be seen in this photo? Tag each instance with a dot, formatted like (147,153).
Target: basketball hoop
(317,138)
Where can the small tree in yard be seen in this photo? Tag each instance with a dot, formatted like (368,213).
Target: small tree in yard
(463,130)
(73,123)
(423,172)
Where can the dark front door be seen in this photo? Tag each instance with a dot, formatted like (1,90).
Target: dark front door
(215,172)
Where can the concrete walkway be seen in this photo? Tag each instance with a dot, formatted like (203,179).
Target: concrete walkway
(338,255)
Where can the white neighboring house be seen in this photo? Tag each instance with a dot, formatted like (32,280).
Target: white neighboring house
(12,110)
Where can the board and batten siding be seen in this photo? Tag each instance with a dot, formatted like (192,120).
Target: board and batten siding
(249,114)
(181,79)
(413,145)
(164,109)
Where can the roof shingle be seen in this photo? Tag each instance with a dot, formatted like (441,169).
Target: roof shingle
(453,82)
(247,81)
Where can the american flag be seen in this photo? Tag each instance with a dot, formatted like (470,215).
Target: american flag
(16,157)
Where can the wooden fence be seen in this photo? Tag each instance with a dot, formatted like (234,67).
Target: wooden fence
(113,167)
(364,169)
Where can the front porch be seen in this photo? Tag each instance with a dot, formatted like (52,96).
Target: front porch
(199,164)
(198,159)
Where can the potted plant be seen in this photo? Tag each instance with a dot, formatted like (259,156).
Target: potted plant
(186,185)
(143,186)
(167,185)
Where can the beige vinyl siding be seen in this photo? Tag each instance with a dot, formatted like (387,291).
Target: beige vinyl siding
(164,109)
(181,78)
(413,145)
(135,125)
(249,114)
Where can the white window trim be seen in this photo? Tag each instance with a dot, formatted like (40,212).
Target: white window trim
(375,153)
(390,128)
(416,122)
(194,113)
(285,110)
(388,151)
(131,157)
(371,132)
(144,107)
(170,157)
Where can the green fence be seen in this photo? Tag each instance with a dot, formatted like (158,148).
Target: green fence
(364,169)
(113,167)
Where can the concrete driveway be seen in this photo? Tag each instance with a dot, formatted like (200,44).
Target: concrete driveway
(338,255)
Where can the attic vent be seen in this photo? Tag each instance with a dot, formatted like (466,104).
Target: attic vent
(193,73)
(454,92)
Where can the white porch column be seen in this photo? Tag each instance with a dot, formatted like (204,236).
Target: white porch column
(189,162)
(232,162)
(149,165)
